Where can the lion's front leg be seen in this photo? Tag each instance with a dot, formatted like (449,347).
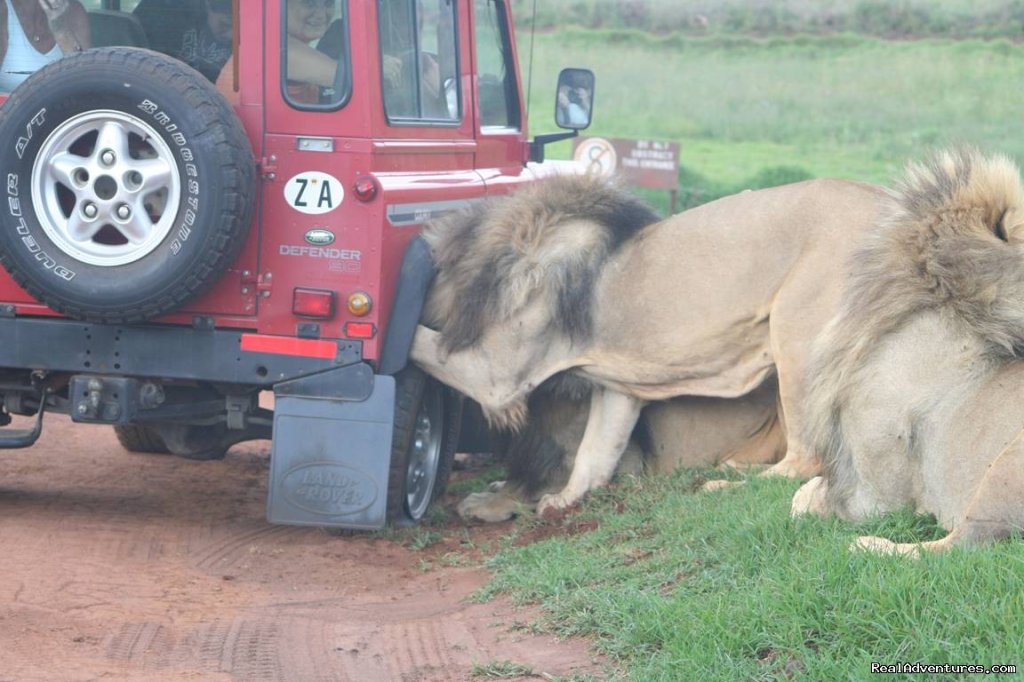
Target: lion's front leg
(461,371)
(609,426)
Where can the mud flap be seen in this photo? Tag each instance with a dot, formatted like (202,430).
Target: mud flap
(332,449)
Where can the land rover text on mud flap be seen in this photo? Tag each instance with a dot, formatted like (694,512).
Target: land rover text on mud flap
(219,198)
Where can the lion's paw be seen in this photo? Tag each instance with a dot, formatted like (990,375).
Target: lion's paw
(490,507)
(810,498)
(553,505)
(794,467)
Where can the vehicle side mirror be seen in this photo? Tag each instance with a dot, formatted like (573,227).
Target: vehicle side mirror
(574,99)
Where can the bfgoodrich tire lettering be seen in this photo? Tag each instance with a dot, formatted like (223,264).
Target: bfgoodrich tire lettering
(129,185)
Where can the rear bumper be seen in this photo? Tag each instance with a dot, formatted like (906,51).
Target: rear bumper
(155,351)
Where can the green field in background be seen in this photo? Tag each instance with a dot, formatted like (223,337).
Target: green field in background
(842,106)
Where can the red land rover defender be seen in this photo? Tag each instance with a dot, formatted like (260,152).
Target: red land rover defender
(223,197)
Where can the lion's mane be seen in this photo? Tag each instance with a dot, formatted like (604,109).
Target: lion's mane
(543,245)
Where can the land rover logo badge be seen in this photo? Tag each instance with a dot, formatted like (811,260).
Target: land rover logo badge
(319,237)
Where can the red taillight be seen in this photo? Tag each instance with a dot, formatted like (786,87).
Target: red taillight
(317,303)
(365,188)
(360,330)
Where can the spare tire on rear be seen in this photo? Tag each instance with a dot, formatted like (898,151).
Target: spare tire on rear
(130,185)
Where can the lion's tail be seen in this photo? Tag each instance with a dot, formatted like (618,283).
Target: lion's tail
(951,238)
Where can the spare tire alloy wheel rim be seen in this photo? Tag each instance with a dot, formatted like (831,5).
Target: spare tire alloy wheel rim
(425,454)
(105,188)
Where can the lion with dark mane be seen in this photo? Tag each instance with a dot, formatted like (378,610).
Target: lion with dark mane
(572,280)
(916,397)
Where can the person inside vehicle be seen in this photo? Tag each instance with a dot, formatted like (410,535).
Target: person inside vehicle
(414,77)
(198,32)
(573,104)
(315,46)
(34,33)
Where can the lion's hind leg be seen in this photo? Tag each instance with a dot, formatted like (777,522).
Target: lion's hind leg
(609,426)
(994,512)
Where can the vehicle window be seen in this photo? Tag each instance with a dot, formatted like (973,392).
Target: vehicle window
(419,60)
(122,5)
(198,32)
(316,54)
(499,104)
(31,39)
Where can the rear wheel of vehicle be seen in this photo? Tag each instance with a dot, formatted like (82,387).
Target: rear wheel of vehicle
(190,441)
(426,431)
(138,438)
(130,184)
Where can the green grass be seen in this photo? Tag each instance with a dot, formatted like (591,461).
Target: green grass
(678,585)
(495,670)
(891,18)
(840,106)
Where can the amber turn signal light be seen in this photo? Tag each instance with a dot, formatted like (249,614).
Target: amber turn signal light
(359,303)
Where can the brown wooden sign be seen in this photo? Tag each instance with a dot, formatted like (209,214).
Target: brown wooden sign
(642,163)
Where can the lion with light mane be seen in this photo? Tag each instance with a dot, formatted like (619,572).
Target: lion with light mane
(568,280)
(916,400)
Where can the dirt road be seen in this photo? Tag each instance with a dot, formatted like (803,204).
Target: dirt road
(119,566)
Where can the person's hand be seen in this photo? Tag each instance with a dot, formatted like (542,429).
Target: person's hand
(392,71)
(62,25)
(563,96)
(431,76)
(54,9)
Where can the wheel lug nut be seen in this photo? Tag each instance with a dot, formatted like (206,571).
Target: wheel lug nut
(90,210)
(107,157)
(123,212)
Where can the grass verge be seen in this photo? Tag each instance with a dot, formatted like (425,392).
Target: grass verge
(679,585)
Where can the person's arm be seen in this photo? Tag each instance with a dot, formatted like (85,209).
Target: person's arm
(308,65)
(69,24)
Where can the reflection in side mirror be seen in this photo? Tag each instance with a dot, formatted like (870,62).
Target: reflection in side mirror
(574,103)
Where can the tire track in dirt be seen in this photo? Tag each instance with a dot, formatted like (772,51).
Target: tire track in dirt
(229,552)
(127,567)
